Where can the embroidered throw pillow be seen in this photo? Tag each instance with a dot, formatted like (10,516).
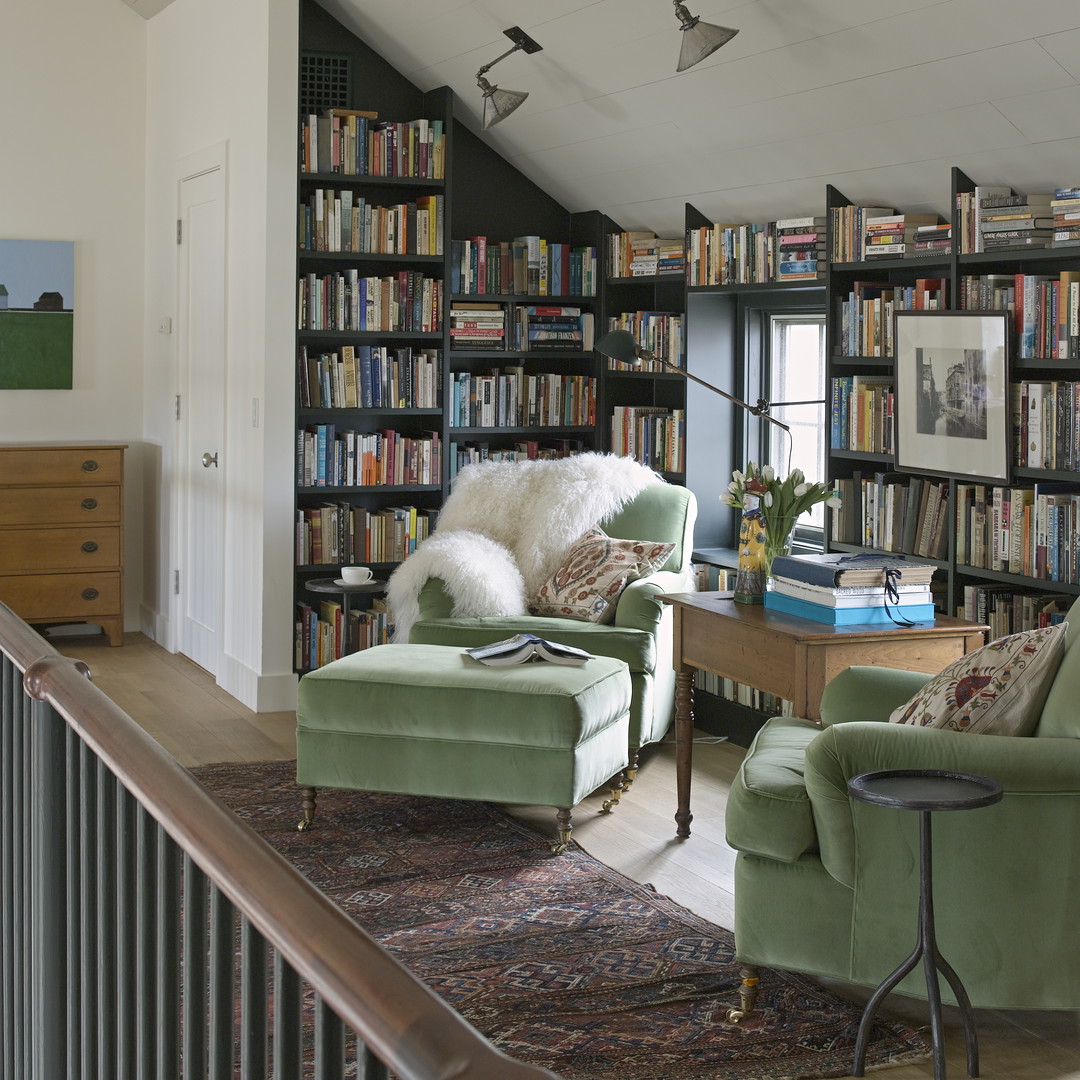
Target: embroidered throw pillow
(594,572)
(996,690)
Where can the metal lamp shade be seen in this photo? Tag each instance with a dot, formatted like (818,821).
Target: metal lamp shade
(499,104)
(701,39)
(619,345)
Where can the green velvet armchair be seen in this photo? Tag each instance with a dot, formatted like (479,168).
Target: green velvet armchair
(829,886)
(641,633)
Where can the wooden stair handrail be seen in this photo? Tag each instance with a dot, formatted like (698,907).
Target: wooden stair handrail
(400,1019)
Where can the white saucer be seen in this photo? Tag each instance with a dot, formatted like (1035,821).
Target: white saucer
(352,585)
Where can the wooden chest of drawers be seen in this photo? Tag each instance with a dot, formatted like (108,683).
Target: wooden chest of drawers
(62,534)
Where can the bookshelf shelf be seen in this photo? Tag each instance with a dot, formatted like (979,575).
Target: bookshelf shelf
(471,432)
(330,179)
(308,257)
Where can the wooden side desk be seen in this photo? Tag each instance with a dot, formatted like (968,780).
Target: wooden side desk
(791,657)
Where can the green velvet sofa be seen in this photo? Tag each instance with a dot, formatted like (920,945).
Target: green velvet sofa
(829,886)
(641,634)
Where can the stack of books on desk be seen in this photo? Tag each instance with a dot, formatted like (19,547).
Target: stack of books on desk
(842,589)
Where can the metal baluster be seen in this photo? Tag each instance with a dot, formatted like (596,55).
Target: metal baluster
(146,899)
(253,1004)
(124,876)
(88,868)
(222,978)
(47,889)
(73,815)
(288,1005)
(9,687)
(193,991)
(106,921)
(329,1042)
(168,958)
(20,895)
(368,1066)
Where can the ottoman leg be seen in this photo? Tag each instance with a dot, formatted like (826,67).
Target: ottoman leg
(619,784)
(308,803)
(564,827)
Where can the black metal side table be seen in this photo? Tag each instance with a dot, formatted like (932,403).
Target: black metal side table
(925,791)
(344,590)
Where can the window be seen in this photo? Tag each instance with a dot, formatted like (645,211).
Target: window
(795,371)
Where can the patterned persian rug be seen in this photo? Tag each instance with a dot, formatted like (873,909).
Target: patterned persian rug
(559,961)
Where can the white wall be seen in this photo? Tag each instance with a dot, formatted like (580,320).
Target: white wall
(224,72)
(72,77)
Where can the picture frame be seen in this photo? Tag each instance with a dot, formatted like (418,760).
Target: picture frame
(952,393)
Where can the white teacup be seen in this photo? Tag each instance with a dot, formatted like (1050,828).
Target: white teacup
(356,575)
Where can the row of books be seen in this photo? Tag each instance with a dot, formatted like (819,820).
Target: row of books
(862,413)
(491,326)
(1029,530)
(642,253)
(658,332)
(474,451)
(741,694)
(903,236)
(994,218)
(1046,424)
(331,220)
(1008,609)
(404,302)
(865,315)
(322,634)
(893,512)
(370,377)
(1045,309)
(653,435)
(355,143)
(326,457)
(511,398)
(338,533)
(525,266)
(789,249)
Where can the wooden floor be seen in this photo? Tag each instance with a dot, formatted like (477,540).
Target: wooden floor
(179,704)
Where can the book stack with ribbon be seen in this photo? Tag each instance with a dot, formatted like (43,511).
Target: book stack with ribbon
(852,590)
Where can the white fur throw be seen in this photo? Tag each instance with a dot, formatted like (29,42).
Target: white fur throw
(505,529)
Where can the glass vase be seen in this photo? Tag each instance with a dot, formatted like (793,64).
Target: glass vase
(778,534)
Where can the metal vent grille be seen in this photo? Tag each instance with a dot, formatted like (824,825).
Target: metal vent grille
(324,82)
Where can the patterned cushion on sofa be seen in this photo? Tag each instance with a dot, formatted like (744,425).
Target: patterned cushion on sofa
(996,690)
(595,571)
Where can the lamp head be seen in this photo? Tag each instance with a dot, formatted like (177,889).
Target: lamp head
(498,104)
(700,39)
(620,345)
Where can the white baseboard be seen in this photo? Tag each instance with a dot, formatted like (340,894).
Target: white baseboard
(260,693)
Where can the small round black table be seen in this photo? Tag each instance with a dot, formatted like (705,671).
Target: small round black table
(344,590)
(926,791)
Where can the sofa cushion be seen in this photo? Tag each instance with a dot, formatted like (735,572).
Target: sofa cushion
(593,573)
(996,690)
(768,810)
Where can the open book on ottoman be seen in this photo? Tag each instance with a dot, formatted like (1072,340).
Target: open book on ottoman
(523,647)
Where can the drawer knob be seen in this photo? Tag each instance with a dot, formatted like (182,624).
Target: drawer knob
(90,465)
(89,504)
(90,594)
(90,547)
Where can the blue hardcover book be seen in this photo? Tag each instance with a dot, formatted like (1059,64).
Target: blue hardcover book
(836,569)
(858,616)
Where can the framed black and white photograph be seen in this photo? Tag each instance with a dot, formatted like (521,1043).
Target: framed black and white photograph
(952,393)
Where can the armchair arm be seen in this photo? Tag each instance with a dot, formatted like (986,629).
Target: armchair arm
(435,602)
(868,693)
(1039,770)
(640,606)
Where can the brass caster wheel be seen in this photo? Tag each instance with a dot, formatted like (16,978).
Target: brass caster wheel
(735,1015)
(303,826)
(559,847)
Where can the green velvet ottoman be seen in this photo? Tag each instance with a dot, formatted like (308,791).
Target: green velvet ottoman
(430,720)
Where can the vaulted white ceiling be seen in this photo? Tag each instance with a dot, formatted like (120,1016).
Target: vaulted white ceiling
(878,97)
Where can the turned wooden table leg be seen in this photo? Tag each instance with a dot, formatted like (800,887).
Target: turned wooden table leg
(684,747)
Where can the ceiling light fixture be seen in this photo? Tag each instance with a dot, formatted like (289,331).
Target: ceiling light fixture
(700,39)
(501,103)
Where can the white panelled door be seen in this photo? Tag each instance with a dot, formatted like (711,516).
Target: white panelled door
(201,360)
